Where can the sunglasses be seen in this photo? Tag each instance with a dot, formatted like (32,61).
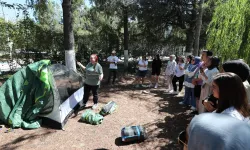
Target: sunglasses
(182,138)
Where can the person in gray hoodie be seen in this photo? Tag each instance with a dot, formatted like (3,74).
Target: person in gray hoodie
(213,131)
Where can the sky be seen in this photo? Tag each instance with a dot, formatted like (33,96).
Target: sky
(10,14)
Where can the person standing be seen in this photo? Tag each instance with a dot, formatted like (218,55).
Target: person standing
(179,75)
(94,75)
(142,72)
(189,98)
(156,70)
(207,79)
(198,82)
(169,72)
(113,59)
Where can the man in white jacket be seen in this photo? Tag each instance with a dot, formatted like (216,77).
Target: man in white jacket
(169,72)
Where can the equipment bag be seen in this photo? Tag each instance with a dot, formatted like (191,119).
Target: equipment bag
(109,108)
(91,117)
(133,134)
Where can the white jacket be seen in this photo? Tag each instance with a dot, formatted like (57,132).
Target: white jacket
(170,70)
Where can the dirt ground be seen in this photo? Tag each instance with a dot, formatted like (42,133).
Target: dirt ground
(160,113)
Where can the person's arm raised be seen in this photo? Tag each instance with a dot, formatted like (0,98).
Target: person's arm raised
(80,65)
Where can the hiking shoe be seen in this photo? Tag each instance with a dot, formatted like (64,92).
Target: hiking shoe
(156,85)
(174,92)
(193,108)
(94,106)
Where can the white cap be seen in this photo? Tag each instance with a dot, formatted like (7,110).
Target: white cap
(113,52)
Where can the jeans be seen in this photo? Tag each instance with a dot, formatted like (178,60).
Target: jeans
(112,71)
(181,80)
(87,89)
(189,98)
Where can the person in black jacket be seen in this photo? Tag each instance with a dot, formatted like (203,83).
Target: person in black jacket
(156,70)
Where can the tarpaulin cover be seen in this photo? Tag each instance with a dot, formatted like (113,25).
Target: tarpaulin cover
(24,95)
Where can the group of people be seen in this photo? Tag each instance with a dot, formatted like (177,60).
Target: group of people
(195,74)
(225,93)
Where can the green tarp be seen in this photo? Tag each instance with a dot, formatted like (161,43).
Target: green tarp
(24,95)
(91,117)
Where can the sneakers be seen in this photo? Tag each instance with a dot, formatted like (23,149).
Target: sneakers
(94,106)
(193,108)
(173,92)
(181,103)
(156,85)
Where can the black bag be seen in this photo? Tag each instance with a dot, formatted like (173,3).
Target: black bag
(133,134)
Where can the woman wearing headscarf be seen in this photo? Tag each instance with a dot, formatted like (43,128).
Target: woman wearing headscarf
(169,72)
(189,98)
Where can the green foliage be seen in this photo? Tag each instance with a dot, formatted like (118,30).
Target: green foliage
(228,33)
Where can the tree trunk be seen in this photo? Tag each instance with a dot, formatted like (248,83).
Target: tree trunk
(190,41)
(68,35)
(198,29)
(125,15)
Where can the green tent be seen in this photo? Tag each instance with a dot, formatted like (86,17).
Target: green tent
(30,93)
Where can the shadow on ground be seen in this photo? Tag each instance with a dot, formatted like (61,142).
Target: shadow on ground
(15,143)
(176,121)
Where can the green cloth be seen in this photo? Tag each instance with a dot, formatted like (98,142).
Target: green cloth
(93,73)
(24,95)
(91,117)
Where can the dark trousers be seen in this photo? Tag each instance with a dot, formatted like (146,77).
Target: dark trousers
(181,80)
(112,71)
(87,89)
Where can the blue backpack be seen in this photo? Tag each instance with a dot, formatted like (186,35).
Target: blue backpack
(133,134)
